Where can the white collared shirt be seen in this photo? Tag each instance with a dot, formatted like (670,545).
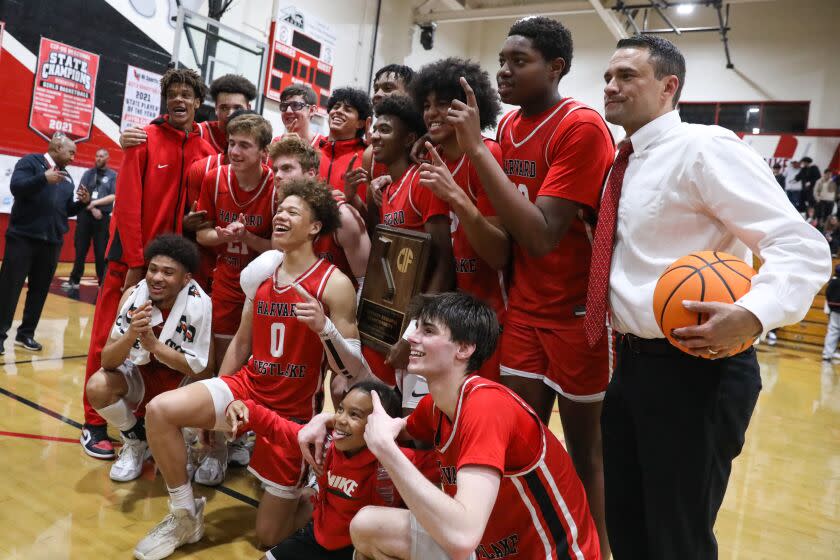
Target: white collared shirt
(50,160)
(691,188)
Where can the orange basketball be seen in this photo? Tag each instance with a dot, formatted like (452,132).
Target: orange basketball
(701,276)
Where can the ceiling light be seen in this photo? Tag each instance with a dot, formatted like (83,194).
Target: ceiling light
(756,131)
(753,110)
(685,9)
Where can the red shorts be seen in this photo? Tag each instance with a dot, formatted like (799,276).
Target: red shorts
(280,467)
(226,316)
(560,357)
(148,381)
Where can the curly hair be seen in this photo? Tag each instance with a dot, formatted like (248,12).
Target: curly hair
(354,97)
(318,197)
(442,78)
(293,145)
(232,83)
(299,89)
(405,73)
(253,124)
(176,247)
(548,36)
(184,76)
(402,107)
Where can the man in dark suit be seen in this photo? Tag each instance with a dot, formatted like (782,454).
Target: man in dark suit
(43,192)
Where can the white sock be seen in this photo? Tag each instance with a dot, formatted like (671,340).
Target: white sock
(182,498)
(118,415)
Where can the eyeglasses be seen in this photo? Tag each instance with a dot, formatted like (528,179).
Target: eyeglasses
(294,105)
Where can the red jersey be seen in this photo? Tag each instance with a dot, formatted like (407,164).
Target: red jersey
(224,200)
(348,483)
(152,189)
(335,156)
(195,177)
(541,509)
(407,205)
(214,135)
(472,274)
(287,359)
(564,152)
(327,247)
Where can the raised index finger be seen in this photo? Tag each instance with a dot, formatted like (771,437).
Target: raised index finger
(377,404)
(352,161)
(469,91)
(436,159)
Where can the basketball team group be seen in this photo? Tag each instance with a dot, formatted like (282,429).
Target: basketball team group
(228,312)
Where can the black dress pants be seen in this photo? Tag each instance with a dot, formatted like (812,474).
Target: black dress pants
(90,229)
(25,258)
(671,426)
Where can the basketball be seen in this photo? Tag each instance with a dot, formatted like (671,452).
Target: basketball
(701,276)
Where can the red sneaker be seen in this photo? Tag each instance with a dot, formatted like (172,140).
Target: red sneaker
(95,442)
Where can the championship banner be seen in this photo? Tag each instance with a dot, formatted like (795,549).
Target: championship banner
(141,103)
(63,99)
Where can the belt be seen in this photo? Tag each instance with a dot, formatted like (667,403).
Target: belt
(655,346)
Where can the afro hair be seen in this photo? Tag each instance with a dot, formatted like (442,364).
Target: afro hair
(232,83)
(442,78)
(356,98)
(318,196)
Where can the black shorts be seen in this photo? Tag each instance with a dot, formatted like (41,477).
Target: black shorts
(303,546)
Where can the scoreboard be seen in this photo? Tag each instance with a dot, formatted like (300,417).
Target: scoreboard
(301,53)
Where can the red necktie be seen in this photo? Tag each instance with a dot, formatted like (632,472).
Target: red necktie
(594,322)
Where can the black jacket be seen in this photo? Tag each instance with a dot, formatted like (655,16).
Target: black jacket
(40,210)
(832,294)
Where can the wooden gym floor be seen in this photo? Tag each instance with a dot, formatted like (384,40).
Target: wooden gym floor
(55,502)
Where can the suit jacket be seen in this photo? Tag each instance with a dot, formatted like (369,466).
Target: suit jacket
(40,210)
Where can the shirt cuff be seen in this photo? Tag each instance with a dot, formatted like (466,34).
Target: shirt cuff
(761,303)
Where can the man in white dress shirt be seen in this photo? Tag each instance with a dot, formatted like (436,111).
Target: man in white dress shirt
(672,423)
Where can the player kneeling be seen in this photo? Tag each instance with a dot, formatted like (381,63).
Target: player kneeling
(159,338)
(509,487)
(351,477)
(276,359)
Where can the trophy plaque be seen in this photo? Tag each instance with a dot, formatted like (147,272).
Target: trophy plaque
(395,274)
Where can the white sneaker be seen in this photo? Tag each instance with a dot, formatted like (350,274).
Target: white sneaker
(238,453)
(211,471)
(771,338)
(129,464)
(68,285)
(177,529)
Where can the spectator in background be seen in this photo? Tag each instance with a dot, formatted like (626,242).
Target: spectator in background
(92,222)
(43,193)
(832,234)
(809,174)
(825,192)
(793,185)
(832,308)
(811,217)
(780,177)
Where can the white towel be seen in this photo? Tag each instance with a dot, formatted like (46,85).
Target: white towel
(258,270)
(187,328)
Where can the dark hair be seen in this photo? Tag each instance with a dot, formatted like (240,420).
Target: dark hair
(319,198)
(806,159)
(299,89)
(469,320)
(665,57)
(548,36)
(405,73)
(293,145)
(176,247)
(442,78)
(250,123)
(185,76)
(402,107)
(777,166)
(356,98)
(391,402)
(232,83)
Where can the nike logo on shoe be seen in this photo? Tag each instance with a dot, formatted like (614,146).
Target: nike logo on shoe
(162,166)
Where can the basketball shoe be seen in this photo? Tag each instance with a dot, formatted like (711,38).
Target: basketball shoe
(211,471)
(95,442)
(177,529)
(129,464)
(238,453)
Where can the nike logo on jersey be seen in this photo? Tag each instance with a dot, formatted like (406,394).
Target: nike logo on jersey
(162,166)
(344,485)
(416,395)
(520,168)
(508,546)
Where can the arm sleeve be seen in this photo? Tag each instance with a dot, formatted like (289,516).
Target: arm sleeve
(128,212)
(27,180)
(579,160)
(271,425)
(735,185)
